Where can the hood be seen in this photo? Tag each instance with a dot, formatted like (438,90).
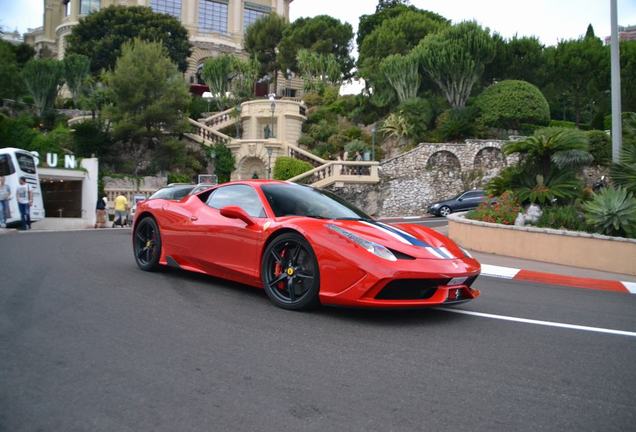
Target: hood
(410,239)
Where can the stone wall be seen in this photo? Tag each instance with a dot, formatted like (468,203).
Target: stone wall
(410,182)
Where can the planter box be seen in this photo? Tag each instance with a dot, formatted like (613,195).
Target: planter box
(573,248)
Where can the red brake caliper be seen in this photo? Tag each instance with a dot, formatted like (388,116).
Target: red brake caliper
(278,270)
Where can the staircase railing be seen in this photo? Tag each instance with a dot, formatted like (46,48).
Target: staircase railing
(220,120)
(340,171)
(207,135)
(304,155)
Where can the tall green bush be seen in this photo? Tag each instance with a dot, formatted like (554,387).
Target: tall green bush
(43,79)
(508,104)
(600,147)
(287,167)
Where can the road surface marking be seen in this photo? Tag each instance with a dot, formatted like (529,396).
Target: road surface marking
(538,322)
(631,287)
(498,271)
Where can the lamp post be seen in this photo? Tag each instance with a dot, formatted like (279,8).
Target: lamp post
(238,121)
(269,162)
(373,143)
(272,99)
(208,97)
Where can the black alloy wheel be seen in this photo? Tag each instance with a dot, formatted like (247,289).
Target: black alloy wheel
(290,272)
(147,244)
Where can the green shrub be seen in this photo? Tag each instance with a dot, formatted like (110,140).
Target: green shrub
(600,146)
(561,186)
(198,106)
(612,212)
(355,146)
(418,114)
(563,217)
(224,162)
(509,103)
(504,211)
(287,167)
(59,140)
(179,178)
(17,132)
(312,99)
(624,172)
(562,124)
(90,139)
(457,123)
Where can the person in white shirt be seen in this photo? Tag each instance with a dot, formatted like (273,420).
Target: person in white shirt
(5,196)
(24,195)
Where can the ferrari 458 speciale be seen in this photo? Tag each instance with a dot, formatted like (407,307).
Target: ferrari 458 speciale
(303,245)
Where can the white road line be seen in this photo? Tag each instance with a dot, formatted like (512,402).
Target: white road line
(538,322)
(631,286)
(411,217)
(498,271)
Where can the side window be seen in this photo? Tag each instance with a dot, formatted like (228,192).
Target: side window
(242,196)
(473,195)
(6,166)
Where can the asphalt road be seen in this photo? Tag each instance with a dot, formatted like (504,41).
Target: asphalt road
(90,343)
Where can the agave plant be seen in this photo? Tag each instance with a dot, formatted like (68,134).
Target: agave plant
(562,186)
(397,126)
(612,212)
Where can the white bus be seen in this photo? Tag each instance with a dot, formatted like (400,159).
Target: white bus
(16,163)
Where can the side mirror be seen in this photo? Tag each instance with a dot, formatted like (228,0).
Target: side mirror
(235,212)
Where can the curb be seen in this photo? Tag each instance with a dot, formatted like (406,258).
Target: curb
(557,279)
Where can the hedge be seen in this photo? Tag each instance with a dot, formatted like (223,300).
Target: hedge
(287,167)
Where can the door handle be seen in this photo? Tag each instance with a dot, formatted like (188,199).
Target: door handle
(193,218)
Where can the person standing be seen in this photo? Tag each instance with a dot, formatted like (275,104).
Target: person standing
(121,207)
(5,196)
(100,210)
(24,195)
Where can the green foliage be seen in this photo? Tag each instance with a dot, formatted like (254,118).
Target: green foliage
(504,211)
(396,125)
(600,147)
(76,70)
(355,146)
(180,159)
(148,92)
(23,53)
(455,59)
(318,70)
(628,75)
(43,79)
(567,217)
(624,172)
(59,140)
(505,181)
(198,106)
(418,113)
(519,58)
(508,104)
(101,35)
(321,34)
(17,132)
(612,212)
(287,167)
(261,40)
(558,187)
(224,162)
(9,72)
(90,138)
(562,124)
(402,72)
(396,35)
(216,74)
(456,124)
(179,178)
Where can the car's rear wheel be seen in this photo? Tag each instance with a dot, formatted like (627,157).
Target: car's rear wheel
(147,244)
(445,211)
(290,272)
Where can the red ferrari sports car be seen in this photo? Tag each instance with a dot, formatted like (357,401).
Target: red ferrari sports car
(304,246)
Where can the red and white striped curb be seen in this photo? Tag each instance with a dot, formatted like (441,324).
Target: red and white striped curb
(557,279)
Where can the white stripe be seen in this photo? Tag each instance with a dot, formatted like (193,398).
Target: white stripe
(386,231)
(500,272)
(542,323)
(446,252)
(631,286)
(434,252)
(396,229)
(411,217)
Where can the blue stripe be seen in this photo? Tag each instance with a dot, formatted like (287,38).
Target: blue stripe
(414,241)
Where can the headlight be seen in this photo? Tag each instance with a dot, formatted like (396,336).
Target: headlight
(466,252)
(435,205)
(374,248)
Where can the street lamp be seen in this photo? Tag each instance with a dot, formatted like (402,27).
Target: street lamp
(373,143)
(269,162)
(238,121)
(272,99)
(208,97)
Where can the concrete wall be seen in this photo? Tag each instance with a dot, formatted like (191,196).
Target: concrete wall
(594,251)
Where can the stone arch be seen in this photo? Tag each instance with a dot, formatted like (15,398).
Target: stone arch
(489,158)
(251,166)
(444,161)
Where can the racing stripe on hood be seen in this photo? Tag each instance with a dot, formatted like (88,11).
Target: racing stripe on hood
(406,238)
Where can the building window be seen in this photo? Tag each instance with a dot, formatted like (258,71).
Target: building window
(88,6)
(170,7)
(252,12)
(213,16)
(67,7)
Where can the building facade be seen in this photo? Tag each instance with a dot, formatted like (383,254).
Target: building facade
(214,26)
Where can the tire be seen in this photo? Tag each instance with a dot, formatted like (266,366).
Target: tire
(445,211)
(290,262)
(147,244)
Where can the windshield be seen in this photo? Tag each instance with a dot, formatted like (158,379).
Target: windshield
(26,162)
(297,200)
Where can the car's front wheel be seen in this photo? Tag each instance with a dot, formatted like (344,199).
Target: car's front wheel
(290,272)
(445,211)
(147,244)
